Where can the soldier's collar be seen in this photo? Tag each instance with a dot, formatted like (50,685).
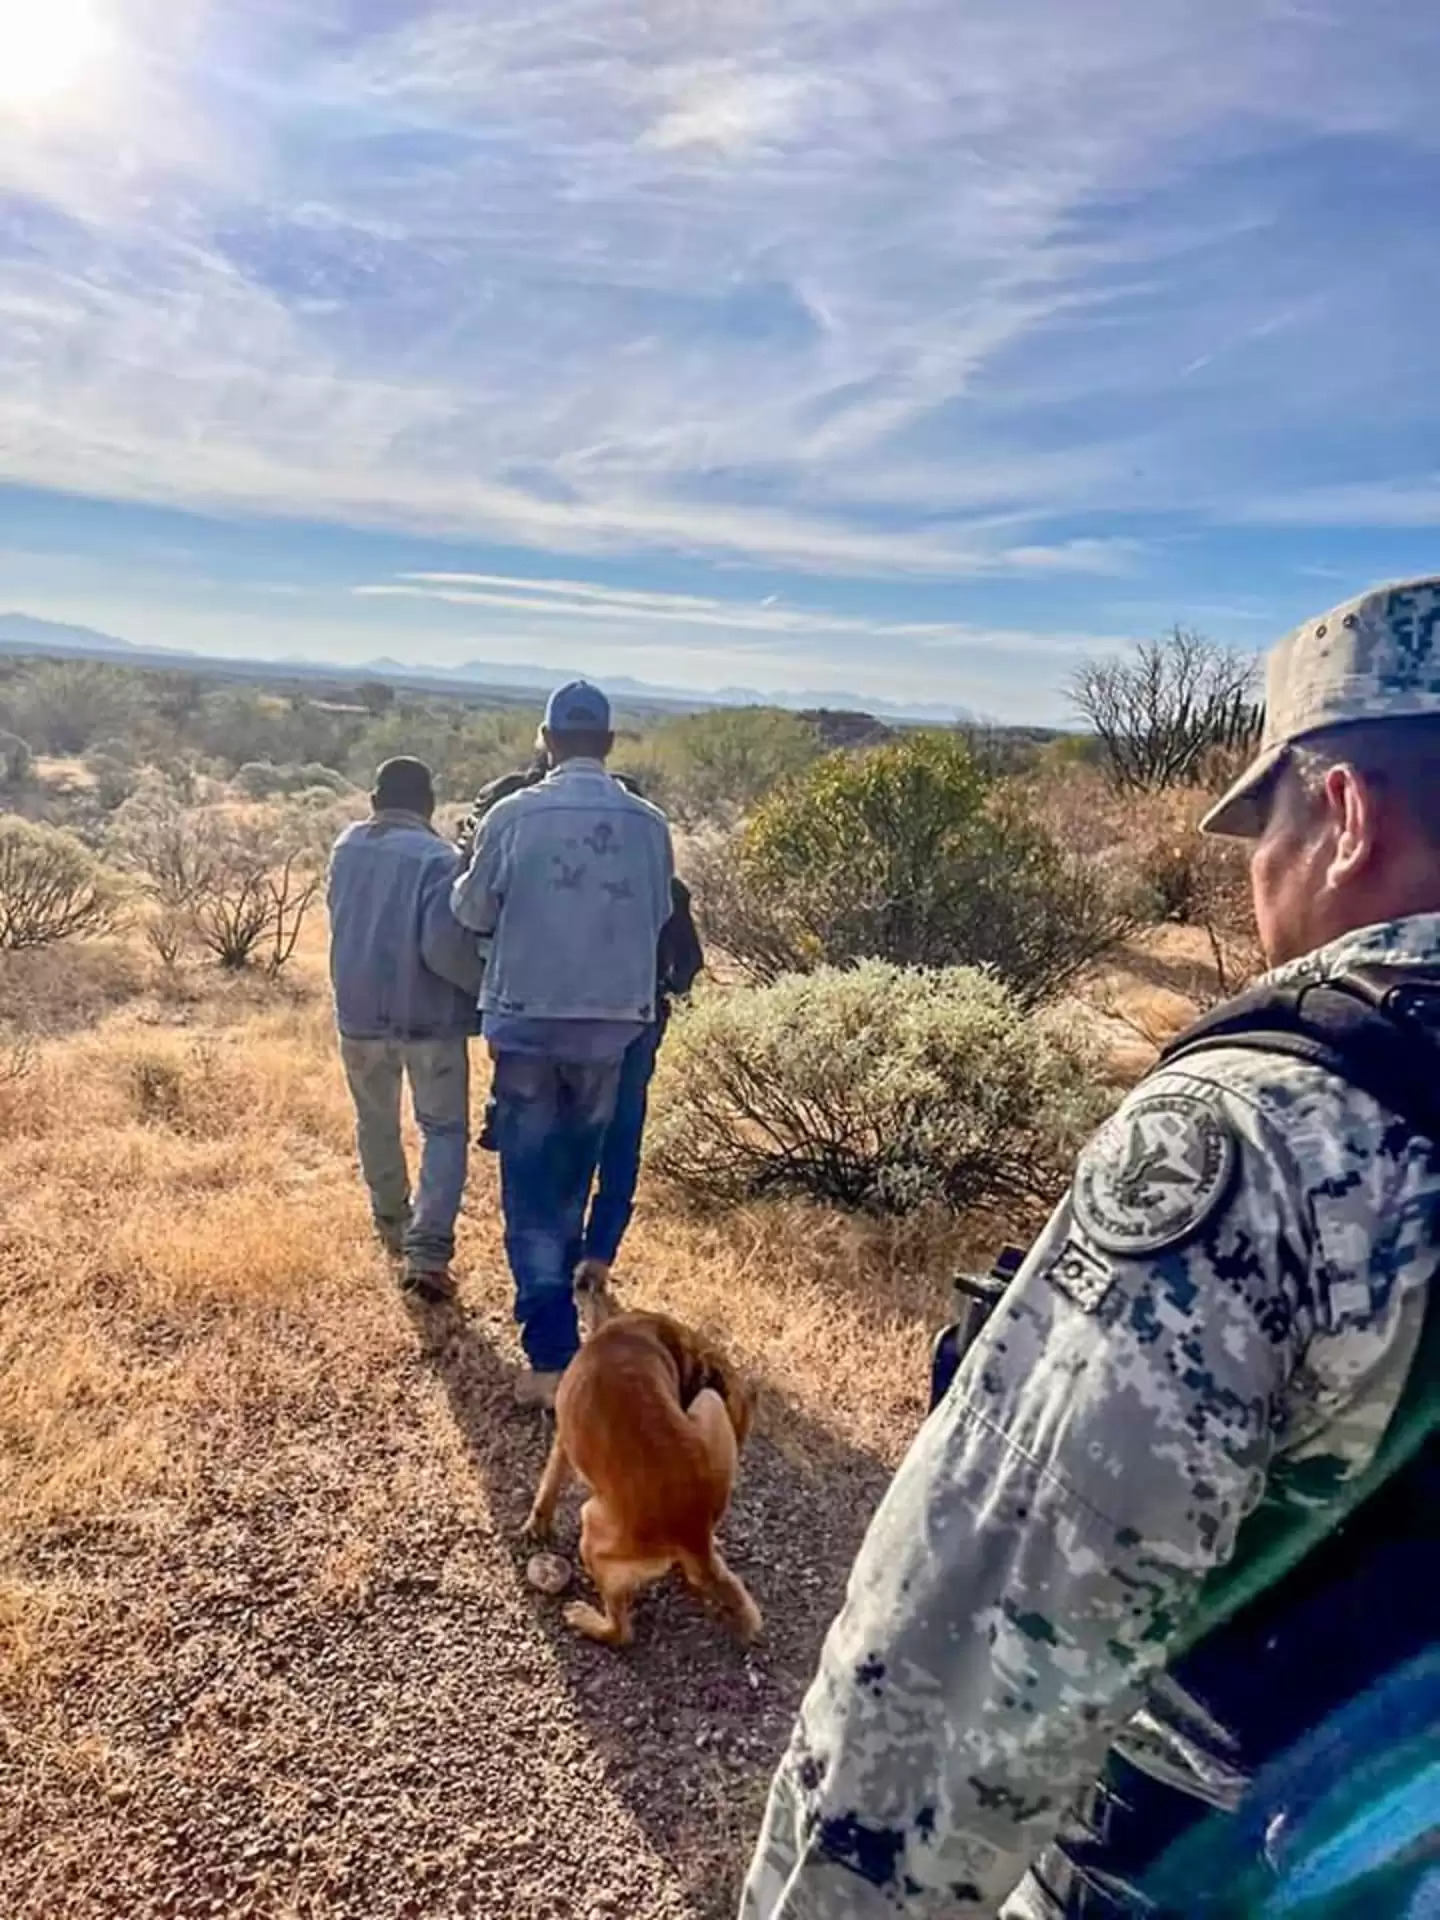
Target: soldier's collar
(1414,940)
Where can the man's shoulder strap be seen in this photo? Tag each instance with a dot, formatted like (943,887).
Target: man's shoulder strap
(1376,1026)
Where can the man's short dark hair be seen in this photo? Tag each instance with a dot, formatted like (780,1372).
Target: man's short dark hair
(582,744)
(1400,757)
(404,785)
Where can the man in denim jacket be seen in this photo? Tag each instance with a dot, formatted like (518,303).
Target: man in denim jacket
(571,881)
(407,978)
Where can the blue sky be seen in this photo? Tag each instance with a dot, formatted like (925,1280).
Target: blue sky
(910,347)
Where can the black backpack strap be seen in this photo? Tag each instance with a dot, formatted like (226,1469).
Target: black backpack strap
(1376,1026)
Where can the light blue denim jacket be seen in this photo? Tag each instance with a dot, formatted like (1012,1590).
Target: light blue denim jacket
(572,878)
(401,965)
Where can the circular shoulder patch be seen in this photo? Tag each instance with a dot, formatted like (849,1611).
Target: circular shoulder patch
(1153,1174)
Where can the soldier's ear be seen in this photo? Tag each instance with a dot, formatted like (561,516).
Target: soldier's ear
(1353,806)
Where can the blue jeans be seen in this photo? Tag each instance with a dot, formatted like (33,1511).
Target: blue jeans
(619,1168)
(550,1122)
(439,1075)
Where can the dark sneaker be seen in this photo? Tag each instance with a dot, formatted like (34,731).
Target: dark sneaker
(435,1285)
(485,1139)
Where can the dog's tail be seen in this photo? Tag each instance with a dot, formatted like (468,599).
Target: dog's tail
(707,1412)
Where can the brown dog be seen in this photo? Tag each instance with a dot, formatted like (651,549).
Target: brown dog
(652,1419)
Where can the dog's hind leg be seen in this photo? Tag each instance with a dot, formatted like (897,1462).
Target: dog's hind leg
(713,1580)
(553,1482)
(618,1578)
(706,1572)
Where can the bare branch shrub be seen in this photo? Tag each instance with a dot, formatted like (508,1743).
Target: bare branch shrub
(168,934)
(242,885)
(1171,706)
(51,887)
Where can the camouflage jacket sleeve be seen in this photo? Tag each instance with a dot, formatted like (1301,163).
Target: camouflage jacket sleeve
(1036,1554)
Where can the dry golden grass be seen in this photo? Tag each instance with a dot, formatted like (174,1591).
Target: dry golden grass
(197,1335)
(243,1488)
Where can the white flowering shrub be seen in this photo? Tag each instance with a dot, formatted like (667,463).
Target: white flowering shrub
(877,1087)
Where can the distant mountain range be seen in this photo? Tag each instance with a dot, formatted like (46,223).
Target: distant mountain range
(25,633)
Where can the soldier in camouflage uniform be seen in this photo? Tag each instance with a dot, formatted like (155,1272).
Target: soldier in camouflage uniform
(1226,1305)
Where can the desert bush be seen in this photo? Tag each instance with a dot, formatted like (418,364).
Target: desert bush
(906,853)
(243,884)
(263,780)
(239,725)
(716,765)
(879,1088)
(1197,880)
(1172,705)
(14,760)
(51,887)
(65,706)
(168,935)
(115,779)
(463,748)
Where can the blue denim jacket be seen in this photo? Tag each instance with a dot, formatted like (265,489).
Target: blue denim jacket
(401,966)
(572,878)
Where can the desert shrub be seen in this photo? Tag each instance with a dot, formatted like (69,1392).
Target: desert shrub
(716,765)
(243,884)
(906,853)
(879,1088)
(168,935)
(263,780)
(1197,880)
(65,706)
(1161,714)
(239,725)
(463,748)
(115,779)
(14,760)
(51,887)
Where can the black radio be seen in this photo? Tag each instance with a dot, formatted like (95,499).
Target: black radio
(976,1297)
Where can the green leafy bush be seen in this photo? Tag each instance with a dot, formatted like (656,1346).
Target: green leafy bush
(906,853)
(878,1088)
(51,887)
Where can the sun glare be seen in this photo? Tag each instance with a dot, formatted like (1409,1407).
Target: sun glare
(47,47)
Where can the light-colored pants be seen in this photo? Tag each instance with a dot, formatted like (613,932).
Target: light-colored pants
(439,1075)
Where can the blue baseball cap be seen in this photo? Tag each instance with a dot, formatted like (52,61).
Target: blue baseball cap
(577,707)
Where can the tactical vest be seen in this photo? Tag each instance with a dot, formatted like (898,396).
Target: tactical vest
(1317,1604)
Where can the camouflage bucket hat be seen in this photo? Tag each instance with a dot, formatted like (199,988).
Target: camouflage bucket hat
(1376,657)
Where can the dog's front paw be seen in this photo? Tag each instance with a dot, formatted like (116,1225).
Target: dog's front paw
(538,1525)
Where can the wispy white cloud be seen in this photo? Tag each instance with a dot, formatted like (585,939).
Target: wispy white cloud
(578,600)
(777,644)
(831,286)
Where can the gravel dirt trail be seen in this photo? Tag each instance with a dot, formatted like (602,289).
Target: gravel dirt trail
(319,1688)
